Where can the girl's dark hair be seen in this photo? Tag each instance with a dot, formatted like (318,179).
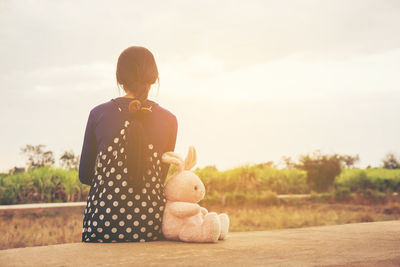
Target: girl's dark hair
(136,71)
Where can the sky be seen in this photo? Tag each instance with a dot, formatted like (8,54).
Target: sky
(249,81)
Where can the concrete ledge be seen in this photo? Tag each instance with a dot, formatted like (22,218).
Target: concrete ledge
(40,207)
(362,244)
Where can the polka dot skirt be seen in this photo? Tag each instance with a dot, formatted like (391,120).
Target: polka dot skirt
(114,212)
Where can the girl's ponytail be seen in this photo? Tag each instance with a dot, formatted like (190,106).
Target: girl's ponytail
(137,156)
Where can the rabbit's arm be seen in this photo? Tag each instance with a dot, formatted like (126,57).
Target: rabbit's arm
(184,209)
(204,211)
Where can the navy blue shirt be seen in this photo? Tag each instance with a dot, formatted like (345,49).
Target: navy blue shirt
(104,122)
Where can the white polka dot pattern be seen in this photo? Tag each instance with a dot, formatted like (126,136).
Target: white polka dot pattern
(115,210)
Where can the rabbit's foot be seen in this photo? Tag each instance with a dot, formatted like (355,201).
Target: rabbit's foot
(224,219)
(211,227)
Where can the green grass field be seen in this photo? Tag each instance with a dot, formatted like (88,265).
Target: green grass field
(49,184)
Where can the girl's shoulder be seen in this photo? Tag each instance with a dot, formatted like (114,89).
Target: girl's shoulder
(109,105)
(161,111)
(101,109)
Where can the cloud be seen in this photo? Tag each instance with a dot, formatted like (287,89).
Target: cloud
(292,77)
(237,33)
(81,78)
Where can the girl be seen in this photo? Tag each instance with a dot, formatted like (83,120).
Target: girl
(121,157)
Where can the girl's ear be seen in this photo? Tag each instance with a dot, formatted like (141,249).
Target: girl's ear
(173,158)
(191,158)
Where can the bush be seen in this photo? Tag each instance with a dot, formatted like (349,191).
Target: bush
(379,179)
(321,169)
(322,197)
(370,196)
(238,198)
(253,179)
(342,194)
(7,195)
(267,198)
(390,161)
(45,184)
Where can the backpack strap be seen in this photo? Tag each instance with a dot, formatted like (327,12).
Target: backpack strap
(126,116)
(116,103)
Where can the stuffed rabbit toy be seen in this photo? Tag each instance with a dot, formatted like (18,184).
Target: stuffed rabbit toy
(183,218)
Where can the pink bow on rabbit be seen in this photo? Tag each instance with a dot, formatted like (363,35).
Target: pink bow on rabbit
(183,218)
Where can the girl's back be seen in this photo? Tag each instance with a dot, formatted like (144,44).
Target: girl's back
(116,210)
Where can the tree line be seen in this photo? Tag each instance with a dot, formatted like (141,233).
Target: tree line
(38,156)
(321,169)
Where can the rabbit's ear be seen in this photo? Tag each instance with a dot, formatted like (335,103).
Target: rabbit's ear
(173,158)
(191,158)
